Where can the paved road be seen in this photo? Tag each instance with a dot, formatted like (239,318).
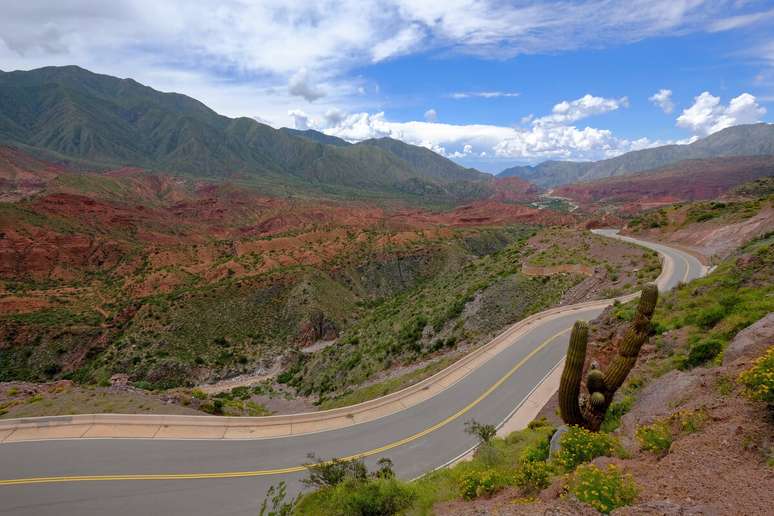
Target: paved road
(238,473)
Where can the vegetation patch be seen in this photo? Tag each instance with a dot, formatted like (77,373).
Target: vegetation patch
(758,380)
(603,489)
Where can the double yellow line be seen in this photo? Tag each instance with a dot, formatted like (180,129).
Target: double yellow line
(292,469)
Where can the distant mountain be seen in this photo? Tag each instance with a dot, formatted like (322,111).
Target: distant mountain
(422,158)
(96,121)
(741,140)
(315,136)
(548,173)
(688,180)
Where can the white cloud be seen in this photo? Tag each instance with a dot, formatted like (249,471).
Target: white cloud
(431,115)
(739,21)
(548,137)
(242,57)
(300,119)
(300,86)
(483,94)
(571,111)
(401,43)
(663,99)
(707,115)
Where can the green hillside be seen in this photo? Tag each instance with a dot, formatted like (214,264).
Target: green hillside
(97,121)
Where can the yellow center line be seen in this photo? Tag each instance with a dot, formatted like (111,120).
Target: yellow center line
(291,469)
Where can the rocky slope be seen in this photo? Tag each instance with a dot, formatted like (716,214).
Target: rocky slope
(713,229)
(684,181)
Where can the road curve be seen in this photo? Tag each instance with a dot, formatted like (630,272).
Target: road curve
(229,477)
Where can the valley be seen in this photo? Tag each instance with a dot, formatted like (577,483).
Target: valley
(191,304)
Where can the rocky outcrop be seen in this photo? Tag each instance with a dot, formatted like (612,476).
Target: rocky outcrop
(752,341)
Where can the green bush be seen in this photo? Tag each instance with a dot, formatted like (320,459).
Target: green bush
(376,497)
(702,352)
(615,412)
(603,489)
(532,476)
(710,316)
(329,473)
(279,507)
(758,380)
(579,445)
(481,483)
(484,432)
(371,497)
(656,438)
(536,452)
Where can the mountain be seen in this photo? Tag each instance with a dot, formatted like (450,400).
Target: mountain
(741,140)
(548,173)
(421,158)
(687,180)
(96,121)
(315,136)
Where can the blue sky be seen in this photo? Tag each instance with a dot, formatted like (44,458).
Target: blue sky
(485,82)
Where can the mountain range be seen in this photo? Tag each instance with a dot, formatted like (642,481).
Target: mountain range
(85,120)
(741,140)
(95,121)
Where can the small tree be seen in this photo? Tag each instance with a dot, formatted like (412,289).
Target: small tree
(328,473)
(279,507)
(484,432)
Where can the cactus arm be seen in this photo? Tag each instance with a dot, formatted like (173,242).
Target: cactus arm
(569,385)
(633,339)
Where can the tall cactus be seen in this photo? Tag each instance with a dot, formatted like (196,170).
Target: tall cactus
(589,411)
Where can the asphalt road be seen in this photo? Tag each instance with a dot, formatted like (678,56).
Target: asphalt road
(418,439)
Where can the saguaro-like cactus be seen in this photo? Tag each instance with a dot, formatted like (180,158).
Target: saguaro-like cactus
(589,411)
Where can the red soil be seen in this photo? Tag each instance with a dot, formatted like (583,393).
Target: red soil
(685,181)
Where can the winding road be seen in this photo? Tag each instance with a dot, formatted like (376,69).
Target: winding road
(229,477)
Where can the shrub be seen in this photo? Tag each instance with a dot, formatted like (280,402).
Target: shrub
(536,452)
(691,420)
(758,380)
(534,476)
(370,497)
(198,394)
(702,352)
(656,438)
(481,483)
(579,445)
(375,497)
(332,472)
(279,507)
(615,412)
(709,317)
(603,489)
(485,433)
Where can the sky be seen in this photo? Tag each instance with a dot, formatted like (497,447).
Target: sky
(489,84)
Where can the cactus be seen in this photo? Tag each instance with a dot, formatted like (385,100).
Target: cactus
(589,411)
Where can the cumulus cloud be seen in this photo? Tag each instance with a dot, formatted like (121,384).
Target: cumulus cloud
(482,94)
(663,99)
(571,111)
(300,86)
(708,115)
(547,137)
(431,115)
(300,119)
